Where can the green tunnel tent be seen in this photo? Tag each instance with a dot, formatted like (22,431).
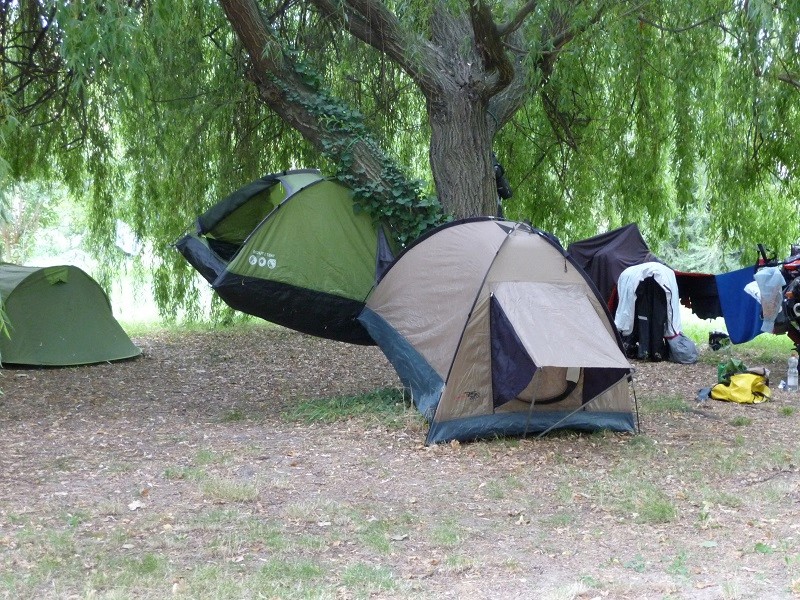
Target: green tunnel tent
(497,332)
(290,248)
(58,316)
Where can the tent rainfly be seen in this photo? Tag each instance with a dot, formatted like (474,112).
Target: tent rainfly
(58,316)
(605,256)
(496,331)
(290,248)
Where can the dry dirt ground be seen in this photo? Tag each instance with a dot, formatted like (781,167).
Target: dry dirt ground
(179,475)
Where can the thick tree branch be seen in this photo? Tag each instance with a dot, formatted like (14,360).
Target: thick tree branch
(246,19)
(331,127)
(490,46)
(374,24)
(277,80)
(519,18)
(792,80)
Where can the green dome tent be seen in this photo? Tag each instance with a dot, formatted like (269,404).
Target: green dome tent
(290,248)
(58,316)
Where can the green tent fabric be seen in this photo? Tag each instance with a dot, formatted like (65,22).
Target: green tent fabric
(58,316)
(291,249)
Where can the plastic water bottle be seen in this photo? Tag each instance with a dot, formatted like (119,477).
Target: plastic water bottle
(791,375)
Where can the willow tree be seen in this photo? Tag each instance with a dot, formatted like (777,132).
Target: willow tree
(602,111)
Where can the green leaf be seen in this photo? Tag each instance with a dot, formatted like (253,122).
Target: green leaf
(764,548)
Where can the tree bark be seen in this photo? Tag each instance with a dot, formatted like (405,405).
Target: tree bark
(288,96)
(473,80)
(478,89)
(460,157)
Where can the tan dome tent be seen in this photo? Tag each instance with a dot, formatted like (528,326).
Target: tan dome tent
(58,316)
(496,331)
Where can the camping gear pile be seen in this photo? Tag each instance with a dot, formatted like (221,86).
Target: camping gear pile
(489,322)
(738,383)
(641,291)
(777,289)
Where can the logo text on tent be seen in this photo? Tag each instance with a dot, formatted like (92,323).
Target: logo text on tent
(263,259)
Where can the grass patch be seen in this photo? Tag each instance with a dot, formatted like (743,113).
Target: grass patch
(319,511)
(368,578)
(375,534)
(187,473)
(679,565)
(765,349)
(559,520)
(75,518)
(787,411)
(447,533)
(497,489)
(384,405)
(458,563)
(640,447)
(662,404)
(637,564)
(727,461)
(234,415)
(640,500)
(226,490)
(651,505)
(741,421)
(761,349)
(209,457)
(296,573)
(717,497)
(149,565)
(277,578)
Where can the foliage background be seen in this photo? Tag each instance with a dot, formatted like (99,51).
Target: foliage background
(672,114)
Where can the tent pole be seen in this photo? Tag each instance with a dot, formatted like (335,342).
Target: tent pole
(557,423)
(533,401)
(635,403)
(581,407)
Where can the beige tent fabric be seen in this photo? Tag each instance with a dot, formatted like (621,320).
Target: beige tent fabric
(528,256)
(548,382)
(438,297)
(555,338)
(441,295)
(558,325)
(469,388)
(616,398)
(549,303)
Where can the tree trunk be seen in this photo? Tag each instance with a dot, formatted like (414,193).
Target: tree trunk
(460,157)
(461,129)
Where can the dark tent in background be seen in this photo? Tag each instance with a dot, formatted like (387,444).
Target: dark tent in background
(639,290)
(58,316)
(289,248)
(496,331)
(604,257)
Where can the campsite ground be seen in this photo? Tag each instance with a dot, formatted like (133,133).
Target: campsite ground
(191,473)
